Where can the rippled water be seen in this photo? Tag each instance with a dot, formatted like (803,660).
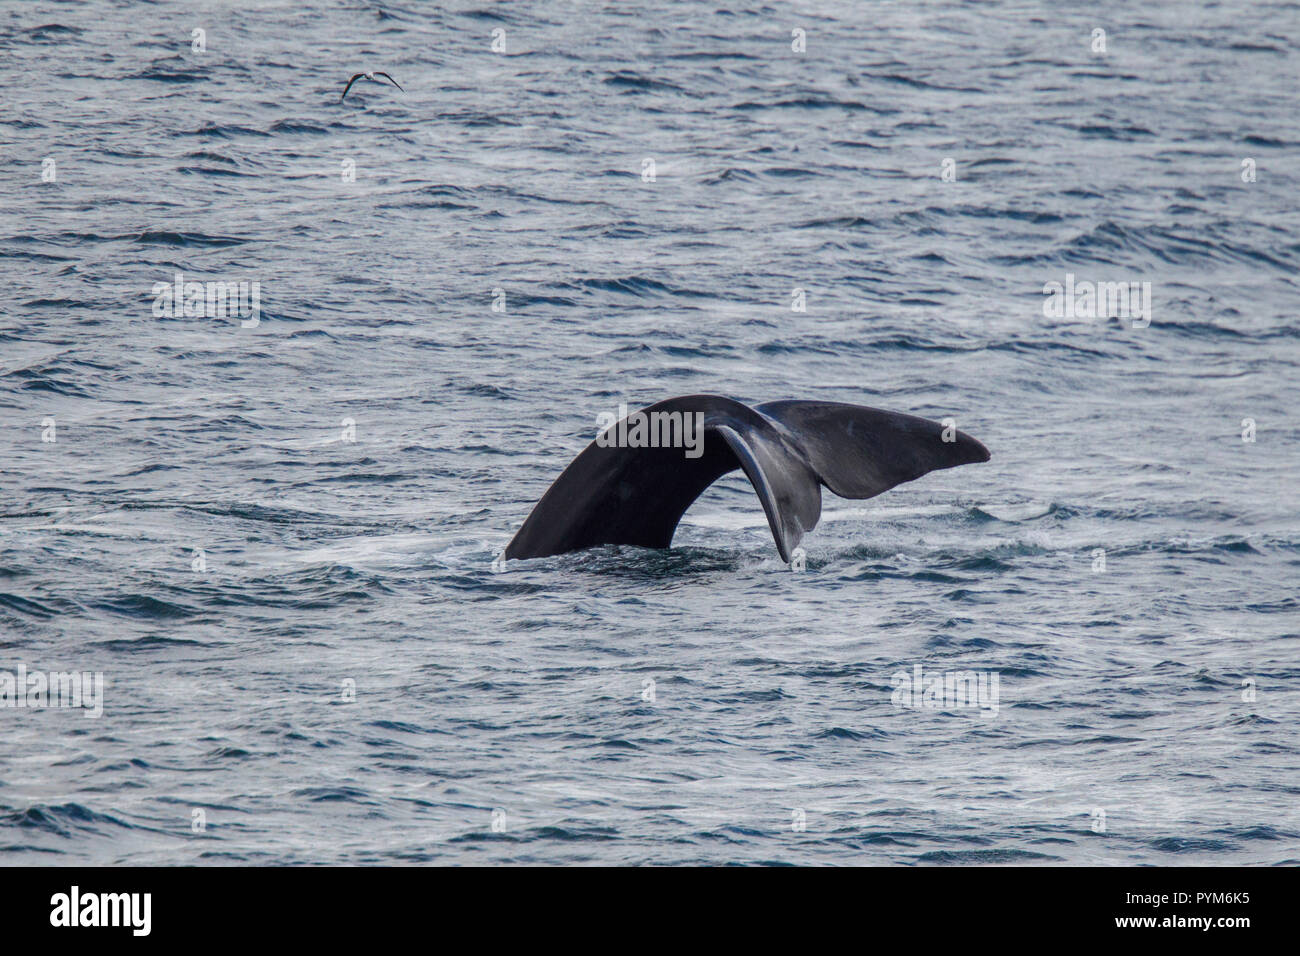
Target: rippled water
(701,704)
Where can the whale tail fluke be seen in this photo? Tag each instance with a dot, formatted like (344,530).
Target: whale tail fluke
(628,493)
(858,452)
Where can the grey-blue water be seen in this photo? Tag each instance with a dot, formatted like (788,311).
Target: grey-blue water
(306,654)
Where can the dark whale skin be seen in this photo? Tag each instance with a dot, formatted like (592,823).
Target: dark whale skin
(787,449)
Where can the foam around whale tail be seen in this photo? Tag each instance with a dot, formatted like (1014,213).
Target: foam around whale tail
(630,493)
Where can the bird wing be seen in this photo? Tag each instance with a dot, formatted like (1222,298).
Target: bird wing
(355,77)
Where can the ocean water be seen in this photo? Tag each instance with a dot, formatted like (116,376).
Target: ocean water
(274,539)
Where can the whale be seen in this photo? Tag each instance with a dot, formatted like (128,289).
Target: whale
(632,485)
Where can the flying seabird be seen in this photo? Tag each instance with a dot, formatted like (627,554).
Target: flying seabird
(369,76)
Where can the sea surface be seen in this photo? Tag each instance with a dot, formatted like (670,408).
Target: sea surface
(273,536)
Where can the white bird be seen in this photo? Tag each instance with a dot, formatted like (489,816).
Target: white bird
(369,76)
